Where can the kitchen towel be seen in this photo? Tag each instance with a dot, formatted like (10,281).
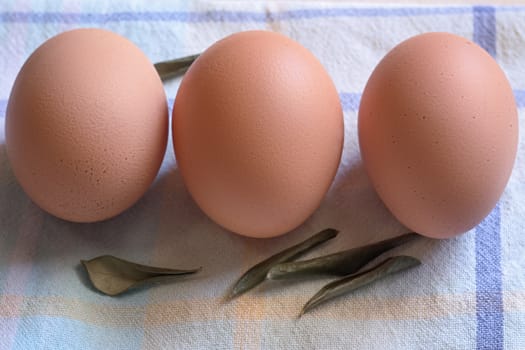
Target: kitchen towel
(469,293)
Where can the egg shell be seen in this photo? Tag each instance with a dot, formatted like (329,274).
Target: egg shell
(86,125)
(438,132)
(258,133)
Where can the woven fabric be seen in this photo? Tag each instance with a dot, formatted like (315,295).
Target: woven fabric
(468,294)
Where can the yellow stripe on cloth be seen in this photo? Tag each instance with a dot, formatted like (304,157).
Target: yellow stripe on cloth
(248,308)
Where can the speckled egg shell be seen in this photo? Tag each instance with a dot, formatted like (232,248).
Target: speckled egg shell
(258,133)
(86,125)
(438,133)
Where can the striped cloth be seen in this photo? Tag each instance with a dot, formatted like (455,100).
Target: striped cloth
(468,294)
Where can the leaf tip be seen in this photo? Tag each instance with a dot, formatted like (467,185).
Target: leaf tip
(232,295)
(332,232)
(271,274)
(307,307)
(414,261)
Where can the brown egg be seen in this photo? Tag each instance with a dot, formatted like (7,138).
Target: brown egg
(258,133)
(86,125)
(438,132)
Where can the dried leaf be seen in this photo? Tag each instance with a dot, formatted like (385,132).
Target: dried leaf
(113,276)
(171,68)
(257,274)
(341,263)
(353,282)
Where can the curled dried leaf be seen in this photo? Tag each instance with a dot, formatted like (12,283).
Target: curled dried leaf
(257,274)
(355,281)
(339,264)
(113,276)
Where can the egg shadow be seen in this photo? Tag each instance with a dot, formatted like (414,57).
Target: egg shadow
(199,241)
(14,200)
(353,207)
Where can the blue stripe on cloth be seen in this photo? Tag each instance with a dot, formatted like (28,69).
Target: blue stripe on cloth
(485,28)
(489,298)
(349,101)
(223,16)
